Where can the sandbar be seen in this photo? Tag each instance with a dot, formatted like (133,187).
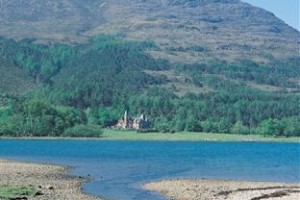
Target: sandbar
(219,190)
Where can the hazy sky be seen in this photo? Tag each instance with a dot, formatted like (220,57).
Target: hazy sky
(287,10)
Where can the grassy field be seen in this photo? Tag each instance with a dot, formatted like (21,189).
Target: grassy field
(109,134)
(185,136)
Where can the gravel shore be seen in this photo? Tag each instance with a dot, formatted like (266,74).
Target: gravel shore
(220,190)
(53,183)
(50,180)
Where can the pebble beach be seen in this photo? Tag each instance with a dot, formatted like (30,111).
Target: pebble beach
(220,190)
(51,181)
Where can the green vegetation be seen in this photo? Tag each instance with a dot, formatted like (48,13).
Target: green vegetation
(14,192)
(83,131)
(276,73)
(32,117)
(14,79)
(87,87)
(188,136)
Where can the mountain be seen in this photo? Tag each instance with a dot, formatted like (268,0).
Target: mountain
(189,65)
(185,30)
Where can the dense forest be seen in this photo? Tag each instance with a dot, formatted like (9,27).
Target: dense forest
(82,88)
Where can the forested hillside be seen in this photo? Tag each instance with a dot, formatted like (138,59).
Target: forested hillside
(81,88)
(13,79)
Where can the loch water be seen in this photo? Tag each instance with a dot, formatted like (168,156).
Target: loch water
(118,168)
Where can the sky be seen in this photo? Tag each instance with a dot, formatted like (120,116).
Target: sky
(287,10)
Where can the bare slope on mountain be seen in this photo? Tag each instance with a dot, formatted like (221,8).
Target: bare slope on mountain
(185,30)
(197,30)
(48,19)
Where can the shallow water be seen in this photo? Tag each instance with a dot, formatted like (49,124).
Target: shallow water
(118,168)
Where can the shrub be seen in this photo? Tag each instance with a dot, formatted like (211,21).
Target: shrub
(83,131)
(239,128)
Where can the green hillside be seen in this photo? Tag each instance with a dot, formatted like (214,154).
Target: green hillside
(13,79)
(93,83)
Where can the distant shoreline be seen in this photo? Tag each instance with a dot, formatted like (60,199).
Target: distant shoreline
(181,136)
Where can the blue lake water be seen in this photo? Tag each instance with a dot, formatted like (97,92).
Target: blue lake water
(118,168)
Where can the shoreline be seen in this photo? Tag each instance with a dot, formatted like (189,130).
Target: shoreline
(52,182)
(47,180)
(203,189)
(110,135)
